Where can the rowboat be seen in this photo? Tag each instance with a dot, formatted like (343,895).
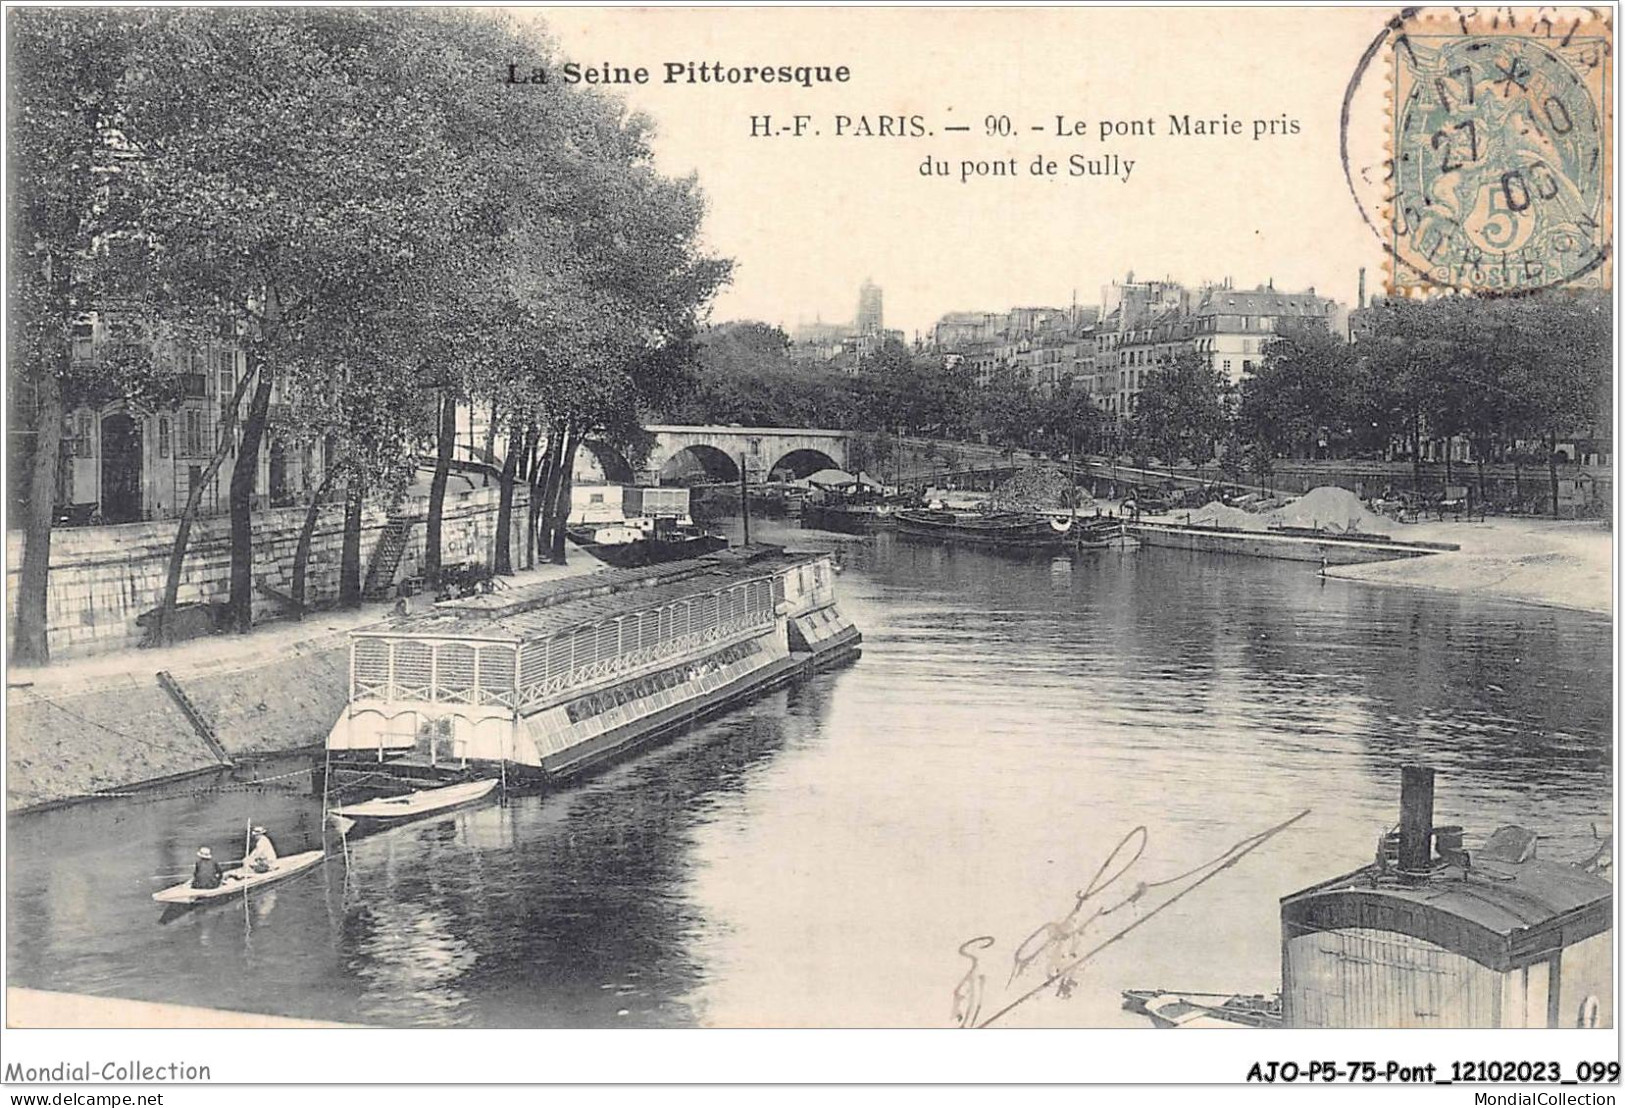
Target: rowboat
(1097,532)
(240,880)
(423,802)
(1181,1010)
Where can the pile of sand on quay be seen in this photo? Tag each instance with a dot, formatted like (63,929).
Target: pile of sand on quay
(1328,508)
(1332,509)
(1215,514)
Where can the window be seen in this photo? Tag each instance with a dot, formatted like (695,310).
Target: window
(1227,365)
(84,340)
(192,440)
(228,379)
(82,436)
(163,436)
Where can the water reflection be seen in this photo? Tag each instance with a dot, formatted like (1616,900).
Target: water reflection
(818,857)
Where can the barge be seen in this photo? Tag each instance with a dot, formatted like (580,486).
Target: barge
(1292,546)
(543,682)
(1006,530)
(634,526)
(849,519)
(644,542)
(1431,934)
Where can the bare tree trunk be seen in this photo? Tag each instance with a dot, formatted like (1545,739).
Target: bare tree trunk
(350,544)
(503,563)
(490,431)
(1482,448)
(301,550)
(30,642)
(560,508)
(1416,453)
(533,500)
(542,506)
(194,500)
(445,444)
(243,473)
(1551,466)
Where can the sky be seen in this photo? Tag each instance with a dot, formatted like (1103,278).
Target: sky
(808,219)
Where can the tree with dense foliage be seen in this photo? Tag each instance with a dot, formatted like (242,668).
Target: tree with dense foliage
(74,247)
(642,286)
(1008,411)
(1507,374)
(276,198)
(1182,411)
(1301,395)
(1070,420)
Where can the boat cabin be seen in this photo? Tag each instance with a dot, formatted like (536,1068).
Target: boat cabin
(1433,934)
(558,674)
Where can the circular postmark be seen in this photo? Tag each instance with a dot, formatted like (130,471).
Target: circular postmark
(1483,162)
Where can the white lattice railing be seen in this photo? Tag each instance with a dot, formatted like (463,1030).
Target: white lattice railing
(456,673)
(606,668)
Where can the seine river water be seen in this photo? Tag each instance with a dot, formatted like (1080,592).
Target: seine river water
(818,857)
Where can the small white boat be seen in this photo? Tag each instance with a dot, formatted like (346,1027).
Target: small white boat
(1169,1009)
(240,880)
(414,804)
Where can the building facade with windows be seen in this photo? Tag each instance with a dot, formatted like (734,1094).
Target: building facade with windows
(1232,326)
(124,462)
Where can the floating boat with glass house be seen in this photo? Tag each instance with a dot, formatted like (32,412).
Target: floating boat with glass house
(551,679)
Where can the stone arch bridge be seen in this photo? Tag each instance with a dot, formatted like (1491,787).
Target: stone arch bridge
(714,453)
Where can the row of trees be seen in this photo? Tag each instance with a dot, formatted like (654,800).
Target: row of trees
(1498,373)
(747,376)
(385,228)
(1511,376)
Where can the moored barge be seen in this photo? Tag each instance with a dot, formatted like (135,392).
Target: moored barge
(1007,530)
(543,682)
(629,544)
(850,519)
(1298,545)
(1431,934)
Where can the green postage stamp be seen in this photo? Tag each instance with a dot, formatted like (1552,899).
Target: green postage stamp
(1502,150)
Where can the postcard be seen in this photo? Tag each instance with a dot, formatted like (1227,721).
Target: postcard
(545,527)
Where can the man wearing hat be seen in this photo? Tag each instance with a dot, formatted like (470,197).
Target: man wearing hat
(205,874)
(261,854)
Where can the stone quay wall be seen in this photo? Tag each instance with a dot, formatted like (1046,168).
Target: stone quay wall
(103,578)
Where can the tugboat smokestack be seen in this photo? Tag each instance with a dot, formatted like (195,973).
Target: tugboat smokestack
(1416,819)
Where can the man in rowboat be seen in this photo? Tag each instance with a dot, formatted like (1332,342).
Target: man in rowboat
(205,874)
(261,854)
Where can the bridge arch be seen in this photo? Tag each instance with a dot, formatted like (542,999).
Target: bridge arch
(803,462)
(699,462)
(611,466)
